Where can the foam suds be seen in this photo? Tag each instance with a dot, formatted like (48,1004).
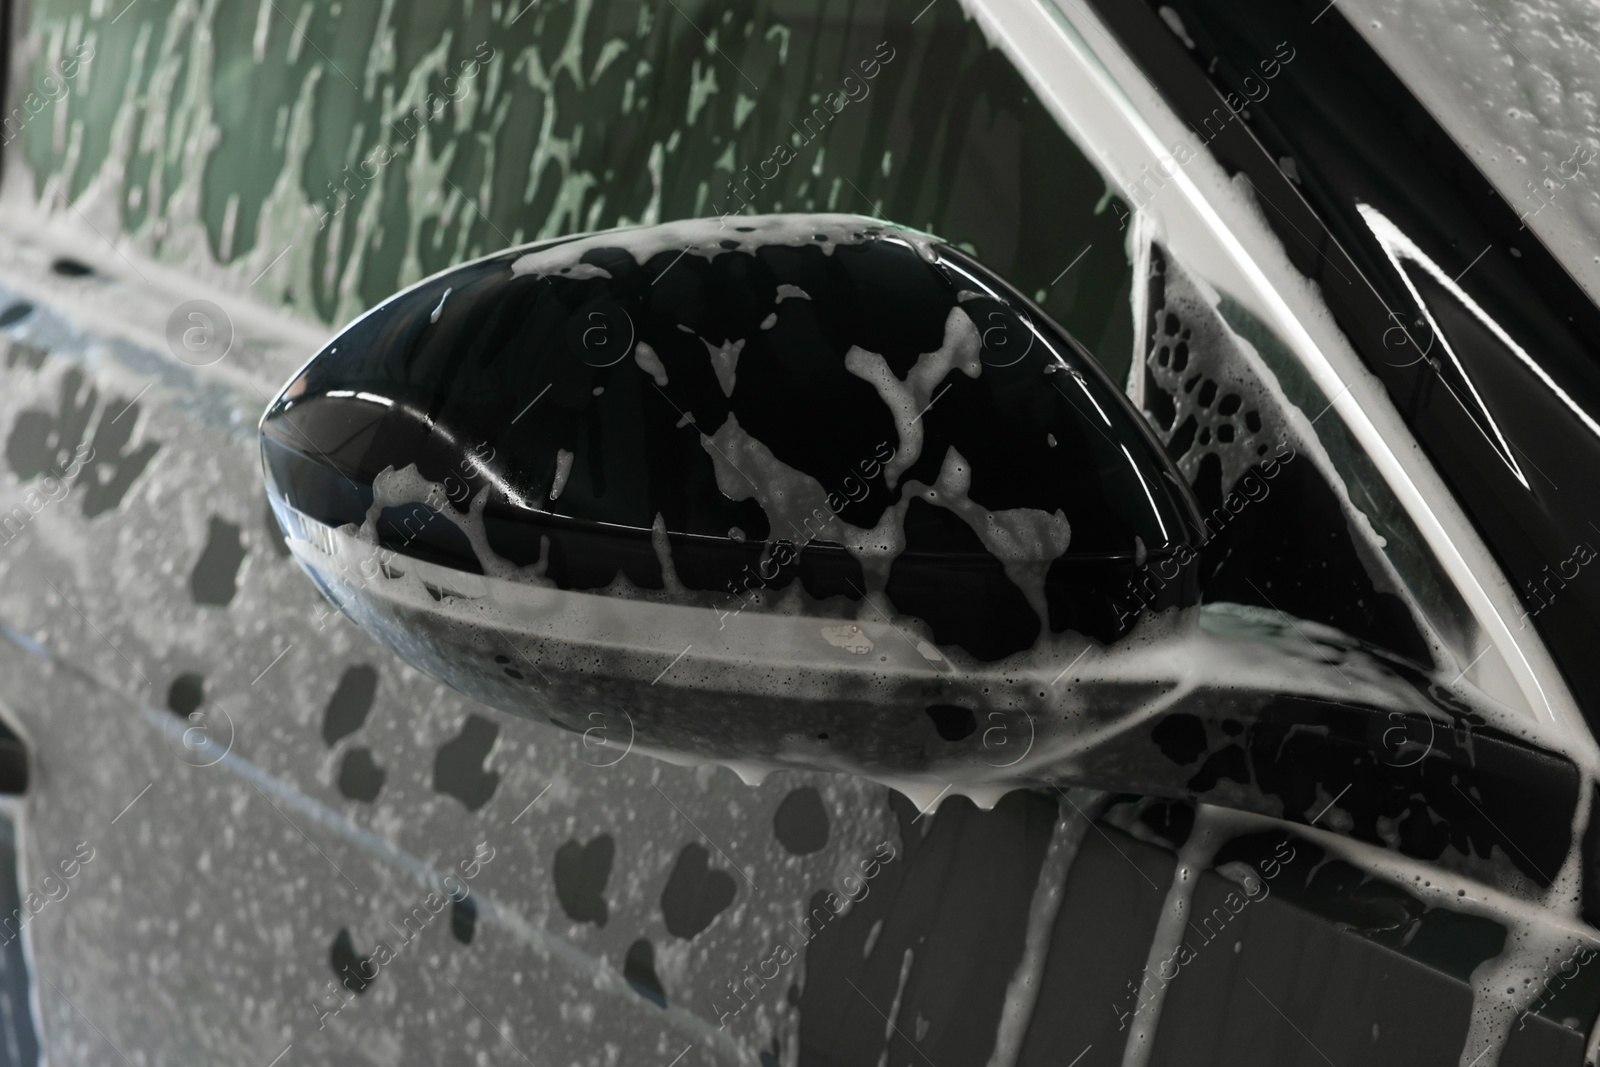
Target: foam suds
(1193,859)
(663,548)
(751,774)
(907,399)
(724,362)
(1022,993)
(745,468)
(439,310)
(1025,540)
(650,363)
(563,469)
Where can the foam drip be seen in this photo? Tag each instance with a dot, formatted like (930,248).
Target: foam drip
(908,399)
(1022,993)
(1194,858)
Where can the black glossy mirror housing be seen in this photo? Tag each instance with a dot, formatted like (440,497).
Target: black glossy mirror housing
(769,487)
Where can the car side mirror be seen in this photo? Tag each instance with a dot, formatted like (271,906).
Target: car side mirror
(799,490)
